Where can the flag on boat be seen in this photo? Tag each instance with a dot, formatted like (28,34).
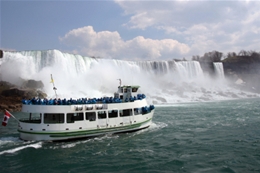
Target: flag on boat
(52,81)
(6,118)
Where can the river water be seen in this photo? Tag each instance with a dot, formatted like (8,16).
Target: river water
(220,136)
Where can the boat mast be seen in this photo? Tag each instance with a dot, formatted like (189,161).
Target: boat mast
(120,82)
(54,88)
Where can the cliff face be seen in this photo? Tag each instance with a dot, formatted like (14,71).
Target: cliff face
(244,68)
(208,67)
(1,54)
(11,96)
(243,65)
(248,71)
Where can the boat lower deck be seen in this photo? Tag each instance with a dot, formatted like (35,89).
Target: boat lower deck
(81,133)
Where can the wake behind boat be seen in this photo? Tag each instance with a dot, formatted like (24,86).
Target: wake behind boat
(57,119)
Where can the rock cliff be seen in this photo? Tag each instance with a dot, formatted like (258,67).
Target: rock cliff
(245,69)
(11,96)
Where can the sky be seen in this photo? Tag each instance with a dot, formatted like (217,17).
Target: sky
(131,30)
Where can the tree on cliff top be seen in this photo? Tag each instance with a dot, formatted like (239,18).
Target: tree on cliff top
(243,56)
(214,56)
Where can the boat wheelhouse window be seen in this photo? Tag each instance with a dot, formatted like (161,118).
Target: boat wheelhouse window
(102,114)
(125,112)
(134,90)
(112,113)
(137,111)
(72,117)
(33,118)
(125,90)
(53,118)
(91,116)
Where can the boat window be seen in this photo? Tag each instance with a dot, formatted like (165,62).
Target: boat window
(134,89)
(101,114)
(125,112)
(112,113)
(53,118)
(72,117)
(33,118)
(137,111)
(91,116)
(125,90)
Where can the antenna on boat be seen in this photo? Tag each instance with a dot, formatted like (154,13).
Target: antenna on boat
(54,88)
(119,82)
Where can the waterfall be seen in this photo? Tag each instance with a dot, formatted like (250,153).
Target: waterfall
(80,76)
(219,70)
(190,69)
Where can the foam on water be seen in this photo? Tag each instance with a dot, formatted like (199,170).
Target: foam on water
(12,141)
(14,150)
(141,150)
(157,126)
(8,140)
(69,145)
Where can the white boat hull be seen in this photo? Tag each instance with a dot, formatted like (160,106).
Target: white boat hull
(59,136)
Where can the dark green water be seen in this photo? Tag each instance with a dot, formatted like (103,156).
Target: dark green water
(196,137)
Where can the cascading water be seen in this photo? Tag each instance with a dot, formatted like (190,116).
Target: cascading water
(219,70)
(77,76)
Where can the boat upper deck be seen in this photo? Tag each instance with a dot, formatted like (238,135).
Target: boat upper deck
(125,97)
(82,107)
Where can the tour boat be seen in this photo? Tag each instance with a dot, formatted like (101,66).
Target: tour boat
(57,120)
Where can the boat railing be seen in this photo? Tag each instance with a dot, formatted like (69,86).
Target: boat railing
(147,109)
(104,100)
(31,120)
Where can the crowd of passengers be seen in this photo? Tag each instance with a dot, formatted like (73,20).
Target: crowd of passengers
(45,101)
